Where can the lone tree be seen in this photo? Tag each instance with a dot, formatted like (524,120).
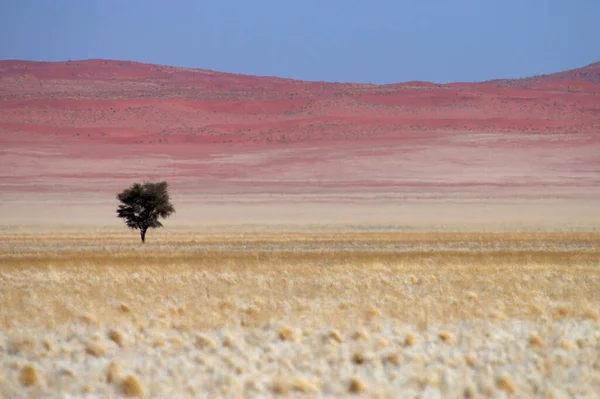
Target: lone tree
(143,204)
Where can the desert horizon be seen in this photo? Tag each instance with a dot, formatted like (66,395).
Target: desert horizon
(326,222)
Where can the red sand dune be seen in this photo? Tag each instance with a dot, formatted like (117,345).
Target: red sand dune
(93,126)
(115,102)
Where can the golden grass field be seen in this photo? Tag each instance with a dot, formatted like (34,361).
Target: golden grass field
(382,315)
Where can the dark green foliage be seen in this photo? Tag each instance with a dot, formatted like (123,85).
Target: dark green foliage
(143,204)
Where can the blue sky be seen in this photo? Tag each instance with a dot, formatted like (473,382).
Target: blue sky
(377,41)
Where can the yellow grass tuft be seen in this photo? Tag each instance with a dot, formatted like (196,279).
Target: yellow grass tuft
(124,308)
(95,349)
(360,335)
(356,386)
(280,388)
(28,376)
(68,373)
(358,358)
(89,319)
(536,341)
(303,385)
(381,344)
(286,334)
(506,383)
(203,342)
(473,297)
(560,312)
(394,358)
(471,361)
(335,335)
(432,279)
(372,313)
(447,337)
(229,342)
(498,315)
(116,336)
(469,392)
(113,372)
(414,279)
(47,345)
(410,339)
(567,345)
(132,387)
(591,314)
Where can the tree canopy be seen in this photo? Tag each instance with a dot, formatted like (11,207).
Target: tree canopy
(143,204)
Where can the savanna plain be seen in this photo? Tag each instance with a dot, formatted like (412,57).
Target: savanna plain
(331,240)
(300,314)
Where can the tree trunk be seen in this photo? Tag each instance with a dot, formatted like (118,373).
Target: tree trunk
(143,235)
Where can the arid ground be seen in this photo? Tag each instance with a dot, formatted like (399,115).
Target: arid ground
(381,315)
(411,240)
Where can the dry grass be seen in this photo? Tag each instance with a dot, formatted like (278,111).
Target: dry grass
(464,314)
